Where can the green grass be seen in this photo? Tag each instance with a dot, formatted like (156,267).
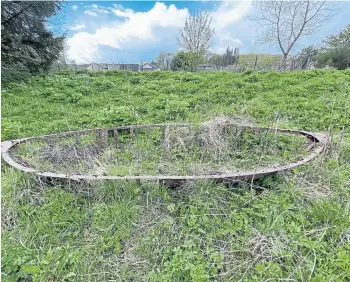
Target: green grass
(263,62)
(293,226)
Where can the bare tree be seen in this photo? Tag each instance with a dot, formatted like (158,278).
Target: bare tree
(285,22)
(196,34)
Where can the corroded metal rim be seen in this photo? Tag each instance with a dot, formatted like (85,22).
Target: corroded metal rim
(317,143)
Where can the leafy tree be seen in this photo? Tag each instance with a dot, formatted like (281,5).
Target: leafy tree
(230,57)
(336,52)
(196,34)
(337,57)
(181,62)
(216,60)
(284,22)
(26,44)
(340,40)
(186,61)
(195,37)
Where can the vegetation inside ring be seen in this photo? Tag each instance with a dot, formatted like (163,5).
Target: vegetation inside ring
(210,149)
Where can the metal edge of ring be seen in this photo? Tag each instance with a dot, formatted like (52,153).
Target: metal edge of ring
(319,140)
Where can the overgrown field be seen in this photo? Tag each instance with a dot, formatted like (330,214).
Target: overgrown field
(289,227)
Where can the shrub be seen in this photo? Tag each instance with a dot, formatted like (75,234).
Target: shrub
(338,58)
(115,115)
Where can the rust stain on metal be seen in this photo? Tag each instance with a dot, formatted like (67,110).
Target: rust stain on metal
(115,133)
(316,144)
(132,135)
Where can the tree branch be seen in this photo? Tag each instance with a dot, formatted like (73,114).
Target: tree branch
(16,15)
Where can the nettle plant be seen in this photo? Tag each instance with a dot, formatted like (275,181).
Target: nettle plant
(115,115)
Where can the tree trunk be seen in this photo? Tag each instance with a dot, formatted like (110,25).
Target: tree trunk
(284,62)
(256,62)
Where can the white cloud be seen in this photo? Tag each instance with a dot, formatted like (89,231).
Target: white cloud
(75,7)
(95,9)
(227,21)
(223,41)
(82,48)
(138,29)
(145,30)
(90,13)
(229,12)
(120,12)
(78,27)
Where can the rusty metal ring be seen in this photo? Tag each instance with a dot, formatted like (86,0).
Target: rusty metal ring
(317,143)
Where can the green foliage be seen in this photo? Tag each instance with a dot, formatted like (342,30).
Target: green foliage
(114,115)
(336,53)
(181,62)
(263,61)
(289,226)
(195,36)
(186,61)
(338,58)
(231,57)
(9,130)
(27,47)
(243,62)
(77,235)
(53,103)
(340,40)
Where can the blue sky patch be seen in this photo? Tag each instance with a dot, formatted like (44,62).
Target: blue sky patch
(106,31)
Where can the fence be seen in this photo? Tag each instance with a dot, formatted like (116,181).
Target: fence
(263,62)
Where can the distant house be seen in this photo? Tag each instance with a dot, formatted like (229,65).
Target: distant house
(112,66)
(150,67)
(79,67)
(96,67)
(132,67)
(117,67)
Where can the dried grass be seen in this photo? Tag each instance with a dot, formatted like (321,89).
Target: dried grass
(8,217)
(214,147)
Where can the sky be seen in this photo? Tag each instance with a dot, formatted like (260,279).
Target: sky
(133,32)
